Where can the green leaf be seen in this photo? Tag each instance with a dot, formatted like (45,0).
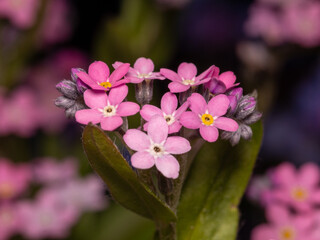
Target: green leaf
(121,180)
(214,187)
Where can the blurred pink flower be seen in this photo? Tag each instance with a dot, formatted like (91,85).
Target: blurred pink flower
(14,179)
(302,23)
(264,22)
(99,77)
(208,117)
(298,189)
(19,113)
(142,70)
(185,77)
(22,13)
(283,226)
(258,185)
(169,111)
(56,20)
(156,148)
(46,218)
(9,220)
(107,110)
(49,170)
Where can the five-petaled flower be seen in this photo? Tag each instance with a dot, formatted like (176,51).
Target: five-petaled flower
(106,109)
(142,70)
(155,148)
(169,111)
(98,76)
(186,77)
(208,117)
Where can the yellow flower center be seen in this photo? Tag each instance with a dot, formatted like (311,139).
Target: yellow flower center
(299,194)
(6,191)
(287,233)
(207,119)
(188,81)
(106,84)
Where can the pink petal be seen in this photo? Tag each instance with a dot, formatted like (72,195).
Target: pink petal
(117,64)
(98,71)
(209,133)
(136,140)
(264,232)
(87,79)
(95,99)
(303,222)
(176,87)
(88,115)
(156,75)
(158,129)
(119,72)
(168,166)
(177,145)
(169,103)
(218,105)
(148,111)
(144,65)
(315,197)
(127,109)
(284,175)
(228,78)
(120,82)
(203,81)
(207,73)
(277,214)
(309,175)
(142,160)
(226,124)
(134,79)
(118,94)
(187,70)
(198,104)
(111,123)
(173,76)
(181,109)
(190,120)
(174,127)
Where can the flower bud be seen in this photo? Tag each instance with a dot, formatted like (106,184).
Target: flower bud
(82,87)
(63,102)
(68,89)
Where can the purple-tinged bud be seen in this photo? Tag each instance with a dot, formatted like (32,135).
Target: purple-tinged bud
(216,87)
(70,112)
(246,106)
(252,118)
(82,87)
(68,89)
(63,102)
(237,92)
(234,97)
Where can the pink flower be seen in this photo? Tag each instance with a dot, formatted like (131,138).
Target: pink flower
(19,114)
(302,23)
(220,83)
(9,220)
(49,170)
(21,13)
(14,179)
(283,226)
(106,109)
(258,185)
(155,148)
(185,78)
(168,111)
(208,117)
(46,218)
(99,79)
(298,189)
(82,194)
(142,70)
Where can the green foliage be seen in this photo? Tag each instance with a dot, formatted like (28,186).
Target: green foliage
(214,187)
(121,180)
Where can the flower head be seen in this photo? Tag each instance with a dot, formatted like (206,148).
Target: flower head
(142,70)
(168,111)
(9,220)
(185,77)
(156,148)
(99,78)
(208,117)
(106,109)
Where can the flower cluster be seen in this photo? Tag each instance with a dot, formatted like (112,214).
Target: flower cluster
(292,198)
(214,100)
(56,207)
(283,21)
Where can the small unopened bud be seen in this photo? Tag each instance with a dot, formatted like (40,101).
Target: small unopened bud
(68,89)
(70,112)
(82,87)
(252,118)
(216,87)
(246,106)
(63,102)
